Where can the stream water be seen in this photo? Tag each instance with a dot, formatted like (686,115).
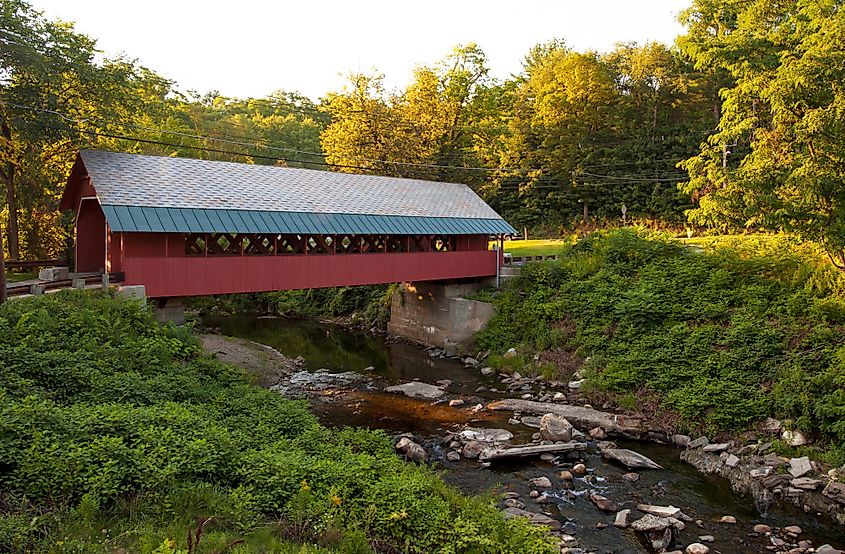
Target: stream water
(704,498)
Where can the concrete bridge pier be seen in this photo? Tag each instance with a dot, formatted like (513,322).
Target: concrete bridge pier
(437,313)
(169,310)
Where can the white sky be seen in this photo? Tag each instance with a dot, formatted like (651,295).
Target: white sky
(252,47)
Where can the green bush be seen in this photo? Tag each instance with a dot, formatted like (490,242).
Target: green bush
(116,432)
(747,328)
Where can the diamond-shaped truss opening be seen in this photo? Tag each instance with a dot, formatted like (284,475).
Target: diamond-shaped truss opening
(259,245)
(195,245)
(397,244)
(289,244)
(319,244)
(346,244)
(225,244)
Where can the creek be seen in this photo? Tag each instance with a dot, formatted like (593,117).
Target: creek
(702,497)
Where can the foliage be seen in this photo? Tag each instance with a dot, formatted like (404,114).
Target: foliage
(781,117)
(110,421)
(730,332)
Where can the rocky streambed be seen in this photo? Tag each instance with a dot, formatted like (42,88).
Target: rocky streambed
(603,482)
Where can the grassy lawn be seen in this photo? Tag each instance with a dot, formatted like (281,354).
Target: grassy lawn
(16,277)
(544,247)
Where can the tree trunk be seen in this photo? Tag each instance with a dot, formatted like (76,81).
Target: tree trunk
(2,270)
(11,199)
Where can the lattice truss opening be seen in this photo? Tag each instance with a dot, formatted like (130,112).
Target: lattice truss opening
(233,244)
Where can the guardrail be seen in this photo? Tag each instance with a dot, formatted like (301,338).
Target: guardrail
(39,288)
(519,260)
(30,264)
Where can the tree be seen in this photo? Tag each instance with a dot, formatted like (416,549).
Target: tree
(782,118)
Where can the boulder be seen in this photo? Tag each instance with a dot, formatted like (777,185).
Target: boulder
(487,371)
(762,528)
(629,458)
(660,511)
(697,548)
(536,519)
(651,522)
(835,491)
(541,482)
(793,530)
(579,416)
(486,435)
(795,438)
(597,433)
(631,477)
(799,467)
(415,452)
(555,428)
(716,447)
(699,442)
(731,460)
(622,517)
(603,503)
(681,440)
(453,456)
(727,519)
(417,389)
(806,483)
(579,469)
(473,449)
(772,425)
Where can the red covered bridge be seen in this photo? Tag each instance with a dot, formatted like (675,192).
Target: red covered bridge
(186,227)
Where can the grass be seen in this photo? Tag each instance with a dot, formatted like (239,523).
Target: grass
(13,277)
(540,247)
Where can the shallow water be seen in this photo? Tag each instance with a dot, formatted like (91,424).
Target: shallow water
(705,498)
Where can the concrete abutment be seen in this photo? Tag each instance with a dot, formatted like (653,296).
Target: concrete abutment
(437,313)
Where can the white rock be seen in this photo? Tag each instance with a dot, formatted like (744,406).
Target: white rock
(555,428)
(697,548)
(799,467)
(795,438)
(541,482)
(575,385)
(417,390)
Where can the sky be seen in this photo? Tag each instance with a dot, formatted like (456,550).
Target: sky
(252,48)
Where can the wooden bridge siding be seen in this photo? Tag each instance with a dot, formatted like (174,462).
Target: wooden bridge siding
(158,261)
(196,276)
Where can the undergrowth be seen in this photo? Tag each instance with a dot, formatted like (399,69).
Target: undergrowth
(117,433)
(723,334)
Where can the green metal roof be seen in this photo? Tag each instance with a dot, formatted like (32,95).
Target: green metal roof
(198,220)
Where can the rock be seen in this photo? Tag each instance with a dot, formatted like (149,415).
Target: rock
(547,456)
(579,416)
(417,389)
(415,452)
(707,538)
(579,469)
(555,428)
(799,467)
(513,503)
(56,274)
(597,433)
(370,368)
(727,519)
(699,442)
(456,402)
(534,494)
(470,361)
(805,483)
(453,456)
(762,529)
(760,472)
(731,461)
(443,382)
(651,522)
(486,435)
(575,385)
(603,503)
(621,520)
(631,477)
(511,353)
(697,548)
(681,440)
(795,438)
(835,491)
(774,480)
(536,519)
(628,458)
(541,482)
(716,447)
(559,397)
(827,549)
(660,511)
(771,425)
(473,449)
(487,371)
(601,525)
(566,475)
(403,443)
(793,530)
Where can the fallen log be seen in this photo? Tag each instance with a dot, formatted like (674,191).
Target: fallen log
(583,418)
(490,454)
(629,458)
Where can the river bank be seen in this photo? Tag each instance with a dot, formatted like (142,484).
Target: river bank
(436,424)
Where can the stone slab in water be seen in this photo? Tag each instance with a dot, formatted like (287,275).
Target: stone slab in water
(417,389)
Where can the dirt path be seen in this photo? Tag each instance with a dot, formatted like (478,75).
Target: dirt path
(266,364)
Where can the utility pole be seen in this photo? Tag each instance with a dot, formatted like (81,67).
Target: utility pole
(2,269)
(725,153)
